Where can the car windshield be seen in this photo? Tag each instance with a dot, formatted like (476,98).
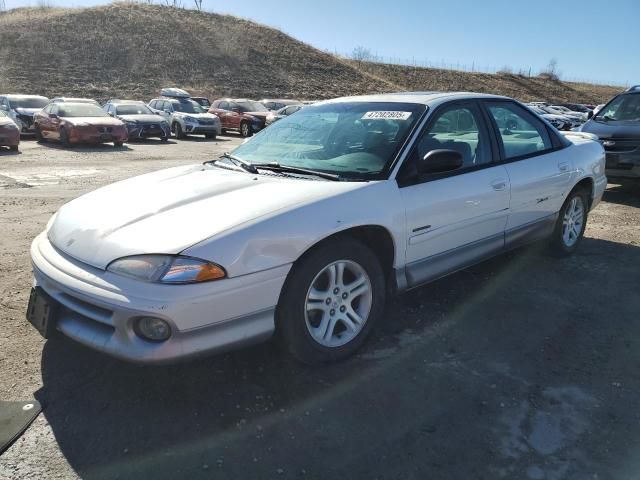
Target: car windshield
(624,108)
(133,109)
(28,102)
(251,107)
(351,139)
(187,106)
(80,110)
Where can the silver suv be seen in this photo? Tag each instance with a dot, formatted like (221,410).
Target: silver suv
(186,117)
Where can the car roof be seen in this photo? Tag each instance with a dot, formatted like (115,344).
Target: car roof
(74,100)
(18,95)
(119,100)
(424,98)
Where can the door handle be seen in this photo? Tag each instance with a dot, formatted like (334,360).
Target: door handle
(563,166)
(499,184)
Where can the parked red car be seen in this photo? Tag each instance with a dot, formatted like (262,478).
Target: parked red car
(245,116)
(72,123)
(9,132)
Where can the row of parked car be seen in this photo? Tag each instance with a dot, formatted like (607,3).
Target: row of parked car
(175,112)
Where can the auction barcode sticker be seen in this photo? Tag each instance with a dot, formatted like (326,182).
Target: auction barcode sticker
(386,115)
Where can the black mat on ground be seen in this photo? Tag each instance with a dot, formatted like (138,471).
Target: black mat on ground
(15,417)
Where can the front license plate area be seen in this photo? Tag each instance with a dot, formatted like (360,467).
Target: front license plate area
(105,137)
(41,312)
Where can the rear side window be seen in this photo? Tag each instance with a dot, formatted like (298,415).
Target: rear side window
(522,134)
(153,104)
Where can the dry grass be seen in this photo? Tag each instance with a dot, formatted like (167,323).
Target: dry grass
(132,50)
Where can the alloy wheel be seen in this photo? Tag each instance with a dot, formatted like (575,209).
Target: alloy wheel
(573,221)
(338,303)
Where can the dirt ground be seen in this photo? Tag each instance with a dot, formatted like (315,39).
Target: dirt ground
(523,367)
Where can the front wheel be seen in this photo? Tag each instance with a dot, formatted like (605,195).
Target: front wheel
(571,223)
(331,301)
(245,129)
(39,137)
(179,132)
(210,136)
(64,138)
(13,148)
(118,144)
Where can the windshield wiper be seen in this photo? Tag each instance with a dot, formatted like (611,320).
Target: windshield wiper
(276,167)
(248,166)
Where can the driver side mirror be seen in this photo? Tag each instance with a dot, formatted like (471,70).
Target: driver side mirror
(590,115)
(235,110)
(440,161)
(53,115)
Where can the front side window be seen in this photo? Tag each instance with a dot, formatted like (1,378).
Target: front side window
(455,128)
(520,131)
(351,139)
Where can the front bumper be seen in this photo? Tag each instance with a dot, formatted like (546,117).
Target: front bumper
(199,128)
(623,159)
(99,308)
(93,135)
(25,123)
(154,130)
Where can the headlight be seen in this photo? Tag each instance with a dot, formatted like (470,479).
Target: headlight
(169,269)
(190,119)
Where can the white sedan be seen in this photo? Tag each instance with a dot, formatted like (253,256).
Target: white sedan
(306,228)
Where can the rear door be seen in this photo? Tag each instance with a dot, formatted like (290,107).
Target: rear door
(539,170)
(456,218)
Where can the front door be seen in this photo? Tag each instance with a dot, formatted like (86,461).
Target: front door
(456,218)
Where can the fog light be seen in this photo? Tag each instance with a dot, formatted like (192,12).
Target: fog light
(151,328)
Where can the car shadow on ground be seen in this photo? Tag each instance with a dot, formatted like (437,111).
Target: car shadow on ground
(200,138)
(462,364)
(623,192)
(92,148)
(151,141)
(5,151)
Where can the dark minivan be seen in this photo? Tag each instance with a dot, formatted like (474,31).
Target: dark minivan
(617,125)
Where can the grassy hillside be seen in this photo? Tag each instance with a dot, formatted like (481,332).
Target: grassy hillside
(132,50)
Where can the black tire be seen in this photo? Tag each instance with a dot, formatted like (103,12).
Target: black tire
(164,139)
(223,131)
(210,136)
(118,144)
(13,148)
(39,137)
(245,129)
(179,132)
(291,316)
(64,138)
(559,245)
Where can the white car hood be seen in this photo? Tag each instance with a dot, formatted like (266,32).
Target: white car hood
(171,210)
(202,116)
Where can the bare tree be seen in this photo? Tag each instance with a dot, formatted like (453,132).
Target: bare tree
(3,6)
(361,54)
(198,5)
(551,72)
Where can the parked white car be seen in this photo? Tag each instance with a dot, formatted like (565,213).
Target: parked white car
(305,228)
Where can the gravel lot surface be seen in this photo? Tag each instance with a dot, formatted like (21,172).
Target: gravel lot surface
(523,367)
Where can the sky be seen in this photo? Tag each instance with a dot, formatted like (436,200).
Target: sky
(592,40)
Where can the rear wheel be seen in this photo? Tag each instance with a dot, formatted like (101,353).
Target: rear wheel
(245,129)
(13,148)
(118,144)
(571,223)
(331,301)
(164,139)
